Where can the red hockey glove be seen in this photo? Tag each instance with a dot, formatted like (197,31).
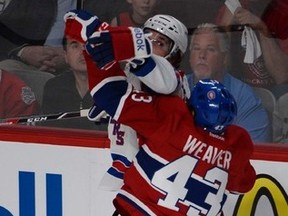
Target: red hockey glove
(118,44)
(80,25)
(96,75)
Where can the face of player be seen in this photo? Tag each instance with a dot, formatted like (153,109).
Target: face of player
(206,59)
(142,8)
(74,56)
(161,45)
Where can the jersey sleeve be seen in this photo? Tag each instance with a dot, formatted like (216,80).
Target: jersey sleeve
(123,148)
(111,92)
(158,74)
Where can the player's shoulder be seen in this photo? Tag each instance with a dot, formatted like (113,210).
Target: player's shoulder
(237,134)
(174,105)
(239,131)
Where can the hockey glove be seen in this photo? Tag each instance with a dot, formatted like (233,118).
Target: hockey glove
(119,44)
(80,25)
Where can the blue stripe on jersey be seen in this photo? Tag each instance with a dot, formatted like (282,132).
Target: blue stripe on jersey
(148,164)
(114,172)
(132,203)
(121,158)
(108,96)
(144,69)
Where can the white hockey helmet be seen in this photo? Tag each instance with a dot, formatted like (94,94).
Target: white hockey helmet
(172,28)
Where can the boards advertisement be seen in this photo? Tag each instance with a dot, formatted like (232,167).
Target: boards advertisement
(52,180)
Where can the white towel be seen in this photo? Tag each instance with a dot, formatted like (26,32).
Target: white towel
(251,44)
(249,40)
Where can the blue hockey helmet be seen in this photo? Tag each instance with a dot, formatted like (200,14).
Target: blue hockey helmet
(214,106)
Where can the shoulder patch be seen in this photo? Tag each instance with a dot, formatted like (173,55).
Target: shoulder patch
(27,95)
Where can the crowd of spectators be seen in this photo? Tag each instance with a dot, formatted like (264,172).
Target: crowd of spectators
(31,39)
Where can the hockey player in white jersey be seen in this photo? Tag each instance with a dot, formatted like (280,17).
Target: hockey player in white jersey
(169,40)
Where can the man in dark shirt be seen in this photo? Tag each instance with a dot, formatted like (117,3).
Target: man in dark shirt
(69,90)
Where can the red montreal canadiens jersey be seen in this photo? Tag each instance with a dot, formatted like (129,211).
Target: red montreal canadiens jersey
(180,169)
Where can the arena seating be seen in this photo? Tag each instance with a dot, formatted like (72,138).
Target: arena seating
(35,79)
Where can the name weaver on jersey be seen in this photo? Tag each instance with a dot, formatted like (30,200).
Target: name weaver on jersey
(208,153)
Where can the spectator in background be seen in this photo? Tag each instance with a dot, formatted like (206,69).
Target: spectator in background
(19,21)
(271,68)
(209,50)
(108,10)
(31,35)
(275,44)
(140,11)
(68,91)
(16,98)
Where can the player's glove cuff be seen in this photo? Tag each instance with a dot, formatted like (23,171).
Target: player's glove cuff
(80,25)
(119,44)
(130,43)
(97,115)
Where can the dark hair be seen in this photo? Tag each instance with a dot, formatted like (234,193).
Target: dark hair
(176,58)
(64,42)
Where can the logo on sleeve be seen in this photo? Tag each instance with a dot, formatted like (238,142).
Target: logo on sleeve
(27,95)
(139,39)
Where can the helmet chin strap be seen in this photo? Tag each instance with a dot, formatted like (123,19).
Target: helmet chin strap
(172,52)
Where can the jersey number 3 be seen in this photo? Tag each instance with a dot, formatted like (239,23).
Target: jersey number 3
(141,97)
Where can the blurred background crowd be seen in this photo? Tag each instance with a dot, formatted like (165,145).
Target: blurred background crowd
(40,74)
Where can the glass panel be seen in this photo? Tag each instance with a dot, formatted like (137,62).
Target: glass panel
(256,59)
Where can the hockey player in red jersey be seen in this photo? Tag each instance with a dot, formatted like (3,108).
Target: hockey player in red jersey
(191,156)
(181,168)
